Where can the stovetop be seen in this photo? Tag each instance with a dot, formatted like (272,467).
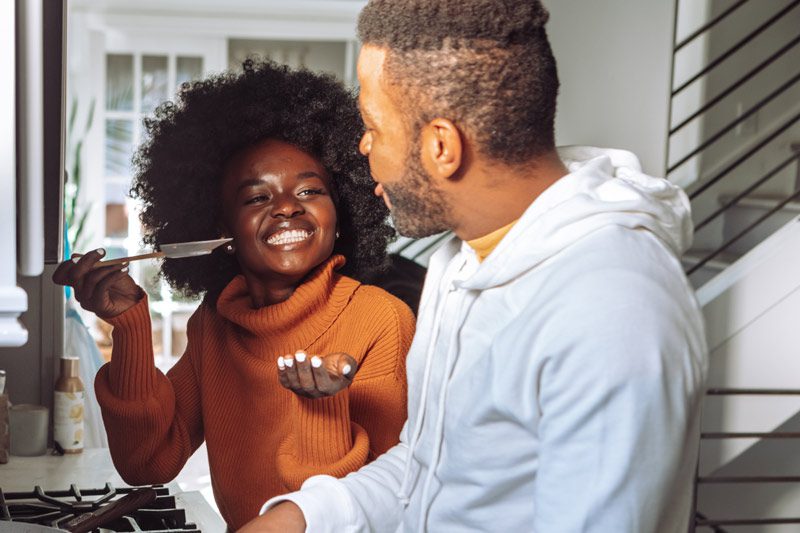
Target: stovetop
(55,508)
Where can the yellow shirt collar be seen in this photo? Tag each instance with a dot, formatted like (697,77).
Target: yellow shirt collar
(483,246)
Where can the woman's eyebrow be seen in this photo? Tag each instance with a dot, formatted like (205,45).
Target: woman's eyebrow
(254,182)
(309,174)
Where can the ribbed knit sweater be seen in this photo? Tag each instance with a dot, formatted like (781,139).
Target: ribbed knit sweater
(262,439)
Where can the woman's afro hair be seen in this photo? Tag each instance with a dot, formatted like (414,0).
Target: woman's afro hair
(179,167)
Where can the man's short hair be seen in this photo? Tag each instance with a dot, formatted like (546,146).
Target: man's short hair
(484,64)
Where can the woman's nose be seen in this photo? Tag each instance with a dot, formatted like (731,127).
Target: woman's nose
(287,206)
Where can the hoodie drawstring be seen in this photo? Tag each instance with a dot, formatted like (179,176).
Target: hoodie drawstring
(402,494)
(449,366)
(405,484)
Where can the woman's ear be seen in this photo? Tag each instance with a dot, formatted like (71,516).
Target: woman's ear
(442,149)
(225,234)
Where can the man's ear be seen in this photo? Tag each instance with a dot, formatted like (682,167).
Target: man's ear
(442,149)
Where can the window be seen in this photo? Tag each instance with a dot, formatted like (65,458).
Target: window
(135,84)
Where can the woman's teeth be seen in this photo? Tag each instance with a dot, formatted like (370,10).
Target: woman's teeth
(289,237)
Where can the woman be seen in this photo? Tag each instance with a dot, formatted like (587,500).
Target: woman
(292,367)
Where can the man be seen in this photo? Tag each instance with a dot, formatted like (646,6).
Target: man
(557,369)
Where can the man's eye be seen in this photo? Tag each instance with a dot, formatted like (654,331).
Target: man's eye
(309,192)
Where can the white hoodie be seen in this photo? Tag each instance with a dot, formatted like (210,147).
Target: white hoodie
(554,387)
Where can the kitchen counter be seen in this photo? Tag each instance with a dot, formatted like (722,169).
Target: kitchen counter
(93,469)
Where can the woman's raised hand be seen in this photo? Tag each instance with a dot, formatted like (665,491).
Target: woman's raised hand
(316,376)
(105,291)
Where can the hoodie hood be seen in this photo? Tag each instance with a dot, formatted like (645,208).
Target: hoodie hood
(604,187)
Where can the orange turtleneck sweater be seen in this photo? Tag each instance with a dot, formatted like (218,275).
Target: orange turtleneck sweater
(262,439)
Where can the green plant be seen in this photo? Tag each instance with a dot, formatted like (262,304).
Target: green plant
(75,212)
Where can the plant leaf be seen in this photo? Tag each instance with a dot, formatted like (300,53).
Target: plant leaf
(73,112)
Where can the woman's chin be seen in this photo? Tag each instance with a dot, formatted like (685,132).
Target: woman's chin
(292,267)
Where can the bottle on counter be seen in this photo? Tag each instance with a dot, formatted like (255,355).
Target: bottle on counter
(5,441)
(68,403)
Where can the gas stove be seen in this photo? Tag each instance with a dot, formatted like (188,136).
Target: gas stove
(92,475)
(152,509)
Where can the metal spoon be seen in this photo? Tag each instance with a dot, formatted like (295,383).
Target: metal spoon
(175,250)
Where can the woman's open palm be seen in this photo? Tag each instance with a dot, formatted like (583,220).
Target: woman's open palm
(316,376)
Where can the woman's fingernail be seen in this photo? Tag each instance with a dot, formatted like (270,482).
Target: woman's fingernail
(281,364)
(101,251)
(300,356)
(75,258)
(123,269)
(346,369)
(288,361)
(316,362)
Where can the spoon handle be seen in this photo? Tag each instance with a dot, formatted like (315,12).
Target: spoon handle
(128,259)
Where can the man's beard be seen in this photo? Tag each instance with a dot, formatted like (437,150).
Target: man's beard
(418,209)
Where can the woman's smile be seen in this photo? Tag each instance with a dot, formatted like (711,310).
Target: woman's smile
(288,237)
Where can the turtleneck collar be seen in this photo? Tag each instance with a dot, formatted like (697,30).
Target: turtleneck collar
(298,321)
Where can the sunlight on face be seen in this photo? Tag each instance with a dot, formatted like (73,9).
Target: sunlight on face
(417,208)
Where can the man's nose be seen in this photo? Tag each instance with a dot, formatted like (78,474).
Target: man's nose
(287,206)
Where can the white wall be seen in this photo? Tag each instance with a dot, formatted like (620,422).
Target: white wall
(320,56)
(614,63)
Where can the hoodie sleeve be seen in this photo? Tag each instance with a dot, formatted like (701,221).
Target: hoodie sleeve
(618,397)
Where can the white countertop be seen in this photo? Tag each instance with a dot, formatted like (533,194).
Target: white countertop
(93,469)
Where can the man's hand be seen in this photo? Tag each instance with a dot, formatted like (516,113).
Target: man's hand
(316,376)
(286,517)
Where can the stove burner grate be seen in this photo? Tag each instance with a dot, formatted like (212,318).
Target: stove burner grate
(56,507)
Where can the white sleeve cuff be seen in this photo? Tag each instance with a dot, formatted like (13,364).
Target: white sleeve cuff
(326,505)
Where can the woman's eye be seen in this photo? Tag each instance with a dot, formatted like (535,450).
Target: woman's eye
(256,199)
(310,192)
